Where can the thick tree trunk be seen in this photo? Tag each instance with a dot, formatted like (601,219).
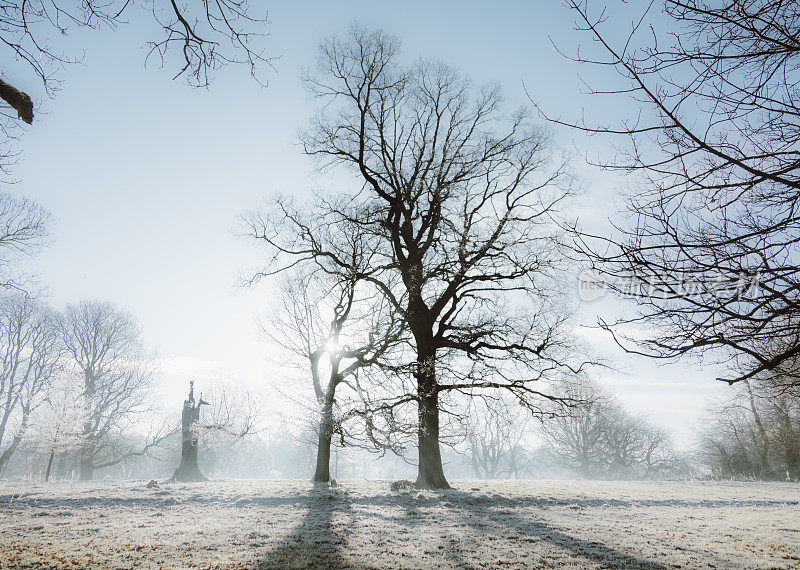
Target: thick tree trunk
(86,468)
(189,470)
(323,472)
(430,474)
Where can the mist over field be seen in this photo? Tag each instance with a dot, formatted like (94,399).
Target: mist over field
(428,286)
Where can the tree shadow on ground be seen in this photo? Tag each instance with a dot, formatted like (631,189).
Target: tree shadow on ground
(413,518)
(528,531)
(314,543)
(473,511)
(317,543)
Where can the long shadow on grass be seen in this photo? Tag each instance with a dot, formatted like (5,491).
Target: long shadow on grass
(413,518)
(486,516)
(532,532)
(314,543)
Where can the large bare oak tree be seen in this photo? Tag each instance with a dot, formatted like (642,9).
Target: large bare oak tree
(456,199)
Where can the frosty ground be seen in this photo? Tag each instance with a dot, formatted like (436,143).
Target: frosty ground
(293,524)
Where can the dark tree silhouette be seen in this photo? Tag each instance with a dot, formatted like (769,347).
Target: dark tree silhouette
(712,140)
(196,39)
(456,203)
(204,36)
(189,470)
(358,334)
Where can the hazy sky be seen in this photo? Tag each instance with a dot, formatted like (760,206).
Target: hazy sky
(146,178)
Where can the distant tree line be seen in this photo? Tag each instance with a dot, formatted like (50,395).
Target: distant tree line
(753,433)
(600,439)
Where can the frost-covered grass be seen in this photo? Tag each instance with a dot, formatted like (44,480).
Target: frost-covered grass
(292,524)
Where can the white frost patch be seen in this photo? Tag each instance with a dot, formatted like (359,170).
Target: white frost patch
(292,524)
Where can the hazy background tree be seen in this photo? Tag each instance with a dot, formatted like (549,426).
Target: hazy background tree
(105,347)
(498,438)
(709,246)
(30,347)
(56,429)
(23,232)
(599,439)
(234,413)
(574,438)
(457,199)
(752,433)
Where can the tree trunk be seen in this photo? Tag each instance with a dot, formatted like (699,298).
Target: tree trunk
(430,474)
(323,471)
(49,465)
(322,474)
(6,455)
(189,469)
(87,454)
(86,467)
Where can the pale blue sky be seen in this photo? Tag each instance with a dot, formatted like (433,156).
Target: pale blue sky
(146,178)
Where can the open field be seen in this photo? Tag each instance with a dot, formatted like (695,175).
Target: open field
(292,524)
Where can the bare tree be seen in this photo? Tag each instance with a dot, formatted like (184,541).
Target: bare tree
(204,35)
(457,202)
(711,139)
(338,325)
(600,438)
(105,346)
(233,413)
(56,428)
(23,231)
(752,433)
(195,38)
(575,438)
(623,441)
(658,457)
(496,437)
(29,353)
